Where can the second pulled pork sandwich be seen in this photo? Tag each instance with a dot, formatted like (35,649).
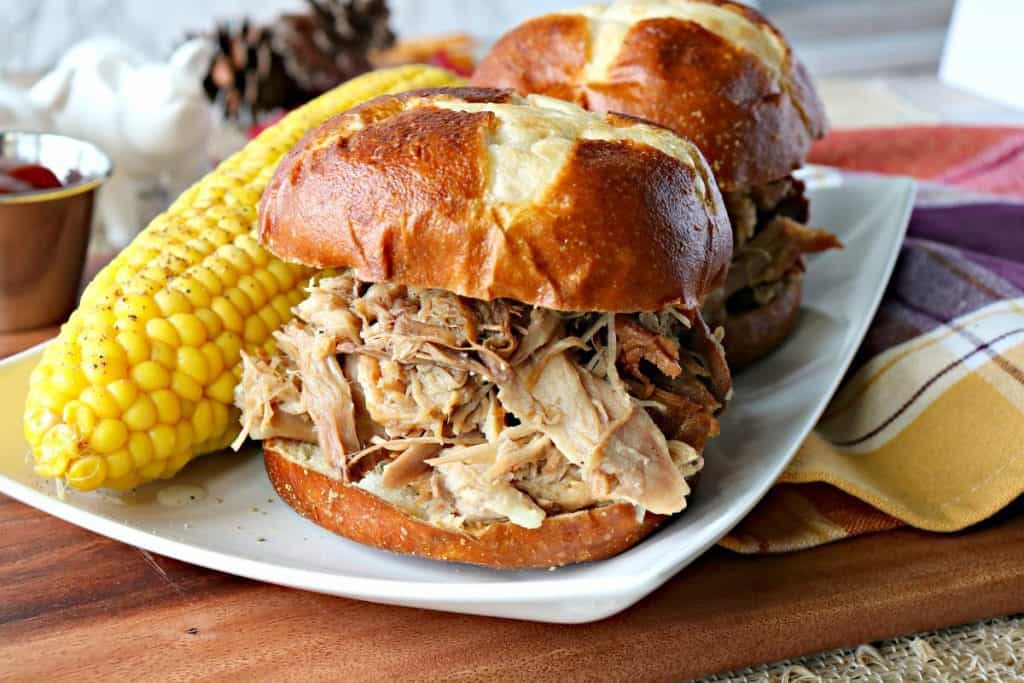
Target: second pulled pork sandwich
(722,75)
(509,366)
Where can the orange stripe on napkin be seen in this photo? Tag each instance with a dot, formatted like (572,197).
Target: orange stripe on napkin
(924,152)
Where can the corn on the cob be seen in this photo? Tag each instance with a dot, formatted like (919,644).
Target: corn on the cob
(141,378)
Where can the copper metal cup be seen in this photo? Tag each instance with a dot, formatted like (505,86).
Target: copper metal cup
(44,234)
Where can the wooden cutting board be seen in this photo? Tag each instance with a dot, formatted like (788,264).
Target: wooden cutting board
(77,605)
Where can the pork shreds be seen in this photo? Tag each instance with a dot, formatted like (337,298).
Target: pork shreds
(770,239)
(491,410)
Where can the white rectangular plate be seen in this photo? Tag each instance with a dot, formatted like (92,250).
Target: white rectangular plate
(240,526)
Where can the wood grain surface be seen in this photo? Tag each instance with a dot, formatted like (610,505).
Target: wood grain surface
(77,606)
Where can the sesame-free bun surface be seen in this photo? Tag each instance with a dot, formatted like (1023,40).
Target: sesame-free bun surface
(489,195)
(717,72)
(361,516)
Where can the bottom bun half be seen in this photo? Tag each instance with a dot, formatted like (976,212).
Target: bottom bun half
(752,335)
(361,516)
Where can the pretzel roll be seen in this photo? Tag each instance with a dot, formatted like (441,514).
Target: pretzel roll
(492,195)
(716,72)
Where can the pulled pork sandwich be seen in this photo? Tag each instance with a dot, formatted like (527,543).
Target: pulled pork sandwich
(509,366)
(720,74)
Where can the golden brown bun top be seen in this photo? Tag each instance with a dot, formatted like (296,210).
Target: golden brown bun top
(717,72)
(491,195)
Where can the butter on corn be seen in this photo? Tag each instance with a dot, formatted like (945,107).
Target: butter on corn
(141,378)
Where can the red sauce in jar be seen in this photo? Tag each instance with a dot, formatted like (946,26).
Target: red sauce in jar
(19,176)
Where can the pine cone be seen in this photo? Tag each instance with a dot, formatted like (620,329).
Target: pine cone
(299,56)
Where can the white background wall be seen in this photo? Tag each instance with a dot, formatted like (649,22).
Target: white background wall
(831,36)
(34,33)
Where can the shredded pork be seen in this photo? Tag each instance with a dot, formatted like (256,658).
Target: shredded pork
(491,410)
(770,239)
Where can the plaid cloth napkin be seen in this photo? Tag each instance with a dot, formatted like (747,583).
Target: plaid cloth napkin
(928,427)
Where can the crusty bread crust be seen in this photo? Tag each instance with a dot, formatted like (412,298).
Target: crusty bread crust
(754,334)
(356,514)
(754,121)
(617,214)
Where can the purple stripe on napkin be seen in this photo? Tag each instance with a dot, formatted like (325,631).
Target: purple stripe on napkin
(996,229)
(955,260)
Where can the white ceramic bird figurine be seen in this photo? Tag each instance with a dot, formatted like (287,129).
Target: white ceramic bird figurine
(152,118)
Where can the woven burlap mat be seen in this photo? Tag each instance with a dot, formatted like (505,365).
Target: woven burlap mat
(984,651)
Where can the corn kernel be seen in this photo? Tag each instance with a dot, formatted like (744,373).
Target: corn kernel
(59,446)
(88,473)
(52,400)
(146,283)
(108,436)
(163,437)
(141,415)
(175,464)
(124,393)
(223,270)
(190,329)
(223,388)
(282,306)
(81,417)
(151,376)
(228,314)
(267,281)
(192,362)
(140,307)
(248,243)
(210,321)
(270,317)
(168,407)
(119,463)
(186,387)
(164,354)
(68,381)
(238,259)
(140,446)
(99,319)
(153,470)
(125,274)
(160,329)
(243,196)
(256,330)
(188,409)
(133,325)
(171,302)
(40,374)
(230,346)
(240,300)
(209,281)
(202,420)
(254,291)
(100,371)
(38,421)
(214,360)
(282,273)
(221,417)
(183,436)
(101,401)
(136,346)
(184,254)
